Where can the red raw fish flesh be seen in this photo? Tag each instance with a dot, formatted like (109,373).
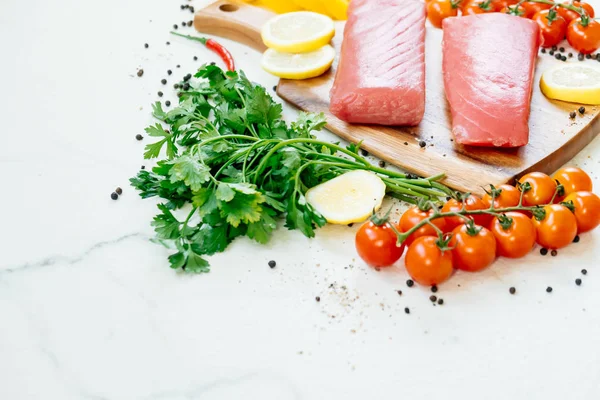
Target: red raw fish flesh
(380,78)
(489,62)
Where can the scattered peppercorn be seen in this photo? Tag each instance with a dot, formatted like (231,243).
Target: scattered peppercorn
(411,176)
(213,63)
(140,72)
(351,224)
(580,57)
(119,191)
(582,110)
(564,58)
(195,58)
(272,264)
(183,6)
(178,66)
(399,292)
(176,86)
(543,50)
(440,301)
(183,23)
(160,94)
(558,56)
(168,43)
(187,77)
(553,253)
(167,103)
(576,240)
(190,23)
(422,143)
(549,289)
(407,310)
(543,251)
(139,136)
(175,26)
(143,167)
(588,56)
(584,271)
(163,81)
(570,55)
(554,48)
(382,164)
(191,9)
(434,289)
(169,72)
(578,282)
(146,45)
(562,49)
(186,86)
(572,115)
(433,298)
(512,290)
(551,52)
(317,298)
(114,196)
(364,153)
(410,283)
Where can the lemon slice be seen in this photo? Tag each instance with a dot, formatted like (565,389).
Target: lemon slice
(298,32)
(575,83)
(298,66)
(348,198)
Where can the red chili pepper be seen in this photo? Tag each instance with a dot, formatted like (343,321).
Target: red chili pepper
(215,47)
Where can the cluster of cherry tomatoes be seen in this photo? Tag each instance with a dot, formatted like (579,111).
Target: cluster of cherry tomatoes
(468,233)
(572,20)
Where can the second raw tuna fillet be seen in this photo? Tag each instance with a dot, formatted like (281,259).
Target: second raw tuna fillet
(380,78)
(489,62)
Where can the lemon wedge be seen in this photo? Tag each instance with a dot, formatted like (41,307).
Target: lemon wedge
(348,198)
(575,83)
(298,66)
(298,32)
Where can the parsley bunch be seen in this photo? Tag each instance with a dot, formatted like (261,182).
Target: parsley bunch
(239,167)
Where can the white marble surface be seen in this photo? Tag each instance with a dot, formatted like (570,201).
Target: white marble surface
(90,310)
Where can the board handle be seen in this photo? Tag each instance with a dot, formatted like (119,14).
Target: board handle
(235,21)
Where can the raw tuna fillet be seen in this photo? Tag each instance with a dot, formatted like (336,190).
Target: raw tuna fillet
(380,78)
(489,62)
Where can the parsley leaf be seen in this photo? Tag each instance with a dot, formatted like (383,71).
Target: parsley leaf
(189,170)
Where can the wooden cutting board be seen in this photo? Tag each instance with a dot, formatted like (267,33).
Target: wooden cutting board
(554,137)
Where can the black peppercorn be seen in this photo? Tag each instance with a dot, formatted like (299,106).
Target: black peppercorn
(169,72)
(175,26)
(195,58)
(146,45)
(191,9)
(139,136)
(553,253)
(582,110)
(382,164)
(543,50)
(317,298)
(551,52)
(562,49)
(186,86)
(588,56)
(190,23)
(167,103)
(176,86)
(580,57)
(272,264)
(554,48)
(543,251)
(168,43)
(549,289)
(160,94)
(140,72)
(440,301)
(578,282)
(114,196)
(570,55)
(572,114)
(163,81)
(399,292)
(584,271)
(410,283)
(512,290)
(143,167)
(558,56)
(407,310)
(434,289)
(433,298)
(563,58)
(576,240)
(422,143)
(178,66)
(364,153)
(119,191)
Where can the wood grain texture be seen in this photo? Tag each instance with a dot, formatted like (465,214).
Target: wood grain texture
(554,138)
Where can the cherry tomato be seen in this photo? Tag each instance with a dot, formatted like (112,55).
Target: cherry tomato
(570,15)
(584,39)
(471,203)
(532,8)
(426,263)
(517,239)
(412,217)
(438,10)
(553,27)
(474,248)
(587,210)
(499,5)
(557,229)
(509,196)
(477,7)
(573,180)
(515,10)
(542,189)
(376,244)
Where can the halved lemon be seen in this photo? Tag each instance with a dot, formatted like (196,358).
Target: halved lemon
(298,66)
(575,83)
(338,9)
(298,32)
(348,198)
